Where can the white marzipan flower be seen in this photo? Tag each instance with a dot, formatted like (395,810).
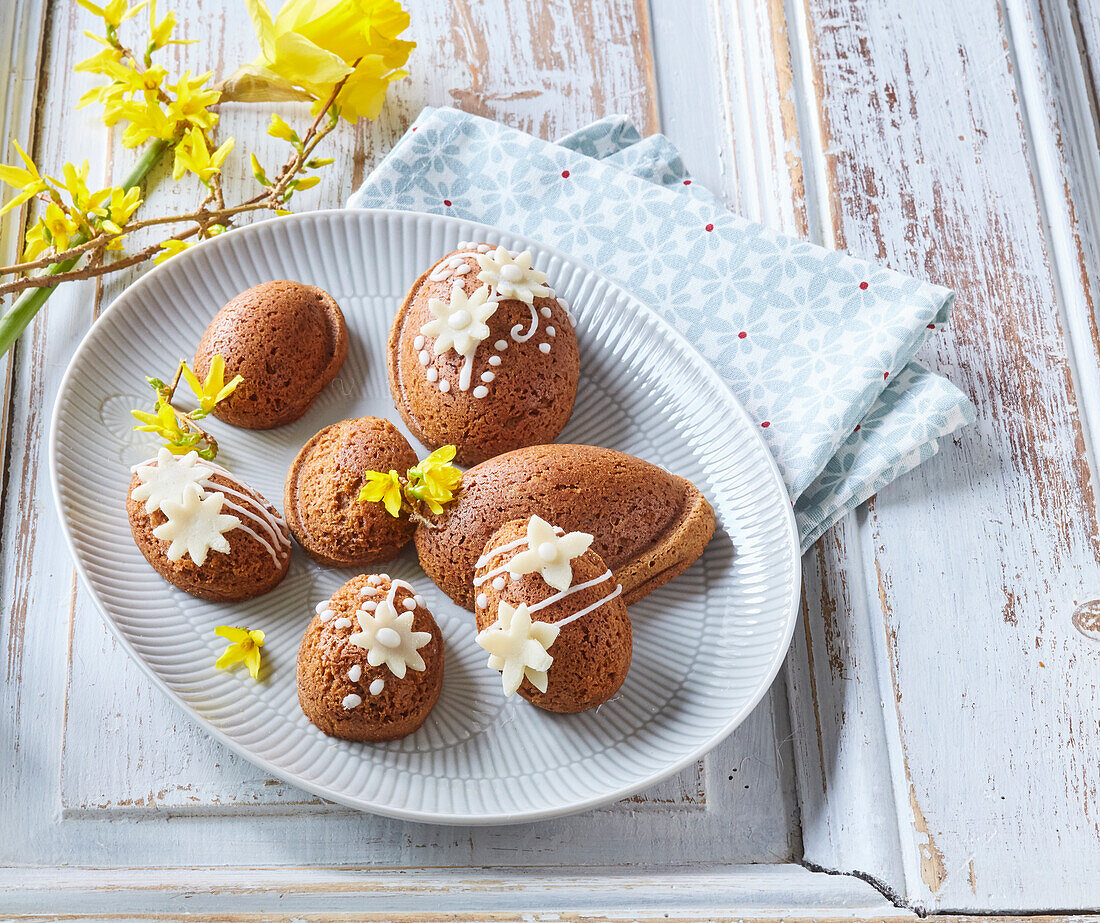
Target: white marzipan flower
(195,526)
(169,477)
(513,277)
(389,638)
(549,553)
(518,646)
(460,322)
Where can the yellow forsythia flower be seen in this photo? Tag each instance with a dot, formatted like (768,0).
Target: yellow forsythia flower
(163,422)
(193,154)
(112,13)
(314,44)
(383,487)
(433,480)
(170,248)
(214,389)
(244,645)
(55,228)
(190,101)
(27,179)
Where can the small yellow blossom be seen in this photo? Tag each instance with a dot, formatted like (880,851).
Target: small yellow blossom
(384,488)
(193,154)
(112,13)
(170,248)
(279,129)
(214,389)
(433,480)
(163,422)
(190,102)
(244,645)
(121,207)
(147,121)
(56,228)
(27,179)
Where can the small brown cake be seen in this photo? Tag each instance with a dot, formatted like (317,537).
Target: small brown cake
(204,531)
(287,340)
(647,525)
(370,665)
(321,496)
(552,617)
(482,355)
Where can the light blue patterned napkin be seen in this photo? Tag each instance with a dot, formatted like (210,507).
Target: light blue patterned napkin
(817,345)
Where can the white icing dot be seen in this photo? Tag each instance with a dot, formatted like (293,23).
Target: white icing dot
(544,311)
(342,622)
(494,360)
(463,269)
(351,700)
(444,386)
(409,604)
(373,580)
(463,243)
(500,344)
(564,304)
(387,637)
(368,591)
(440,275)
(377,686)
(480,391)
(544,347)
(419,599)
(432,374)
(326,615)
(323,606)
(511,273)
(482,600)
(369,606)
(385,577)
(418,343)
(424,357)
(548,551)
(550,331)
(483,248)
(498,583)
(354,673)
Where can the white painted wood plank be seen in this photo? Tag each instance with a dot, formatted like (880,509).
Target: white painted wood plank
(970,563)
(747,892)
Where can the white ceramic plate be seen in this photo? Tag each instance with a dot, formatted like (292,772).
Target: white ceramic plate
(706,646)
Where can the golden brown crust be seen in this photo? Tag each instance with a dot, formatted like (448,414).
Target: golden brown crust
(647,524)
(591,654)
(247,571)
(530,397)
(326,655)
(287,340)
(321,494)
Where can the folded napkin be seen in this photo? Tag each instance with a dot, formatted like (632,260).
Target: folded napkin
(817,345)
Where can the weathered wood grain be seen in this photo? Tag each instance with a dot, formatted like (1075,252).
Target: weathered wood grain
(971,563)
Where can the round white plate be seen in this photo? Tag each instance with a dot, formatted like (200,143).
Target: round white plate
(706,646)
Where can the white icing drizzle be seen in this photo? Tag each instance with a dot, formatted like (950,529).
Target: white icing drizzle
(524,337)
(562,594)
(596,605)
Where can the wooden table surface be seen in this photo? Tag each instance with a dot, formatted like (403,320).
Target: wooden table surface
(936,735)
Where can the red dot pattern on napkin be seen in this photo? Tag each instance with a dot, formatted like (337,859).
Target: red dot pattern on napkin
(863,286)
(742,335)
(710,227)
(687,182)
(931,326)
(565,174)
(766,424)
(447,202)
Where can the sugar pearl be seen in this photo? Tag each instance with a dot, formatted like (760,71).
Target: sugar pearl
(419,599)
(368,591)
(387,637)
(432,374)
(424,357)
(487,376)
(483,248)
(409,604)
(323,606)
(373,580)
(418,343)
(351,701)
(564,304)
(482,600)
(480,391)
(444,386)
(498,583)
(354,673)
(544,347)
(326,615)
(463,269)
(544,311)
(377,686)
(494,360)
(501,344)
(369,606)
(385,577)
(551,332)
(342,622)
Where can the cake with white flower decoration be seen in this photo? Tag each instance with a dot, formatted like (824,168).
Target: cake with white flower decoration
(648,525)
(370,665)
(551,616)
(205,531)
(482,354)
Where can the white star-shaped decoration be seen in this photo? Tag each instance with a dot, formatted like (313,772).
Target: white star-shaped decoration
(549,553)
(518,647)
(388,638)
(460,322)
(195,525)
(169,477)
(512,276)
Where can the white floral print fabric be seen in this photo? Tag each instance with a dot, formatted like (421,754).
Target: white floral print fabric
(817,345)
